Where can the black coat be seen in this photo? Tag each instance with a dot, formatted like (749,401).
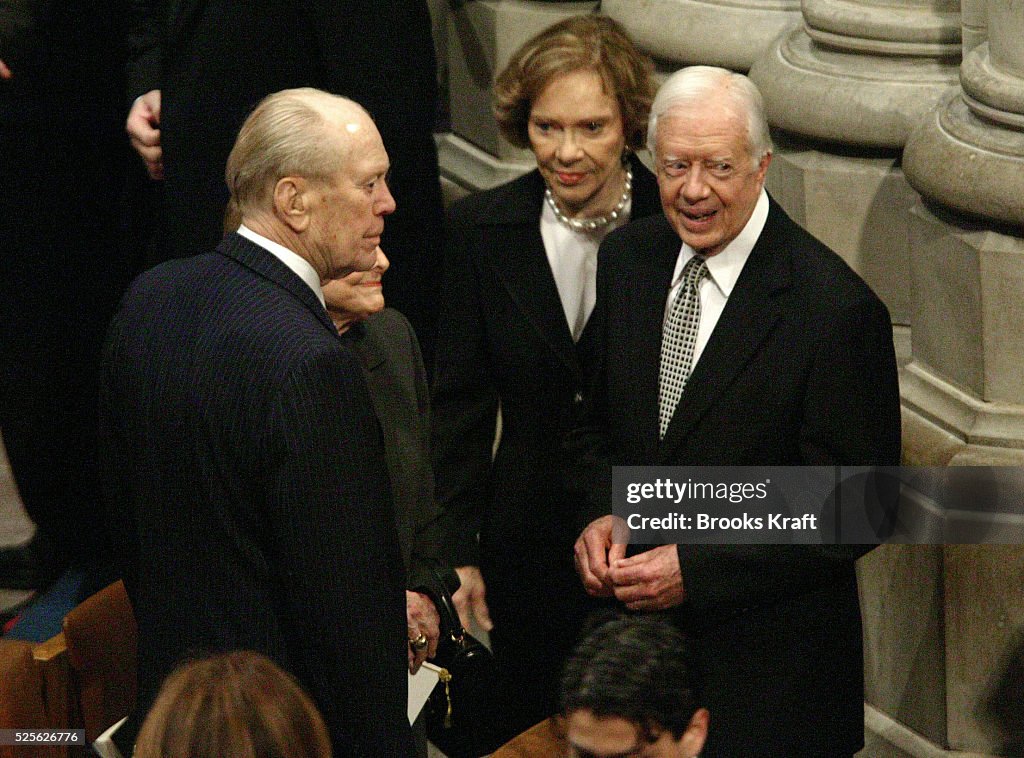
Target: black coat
(504,340)
(63,156)
(214,60)
(800,370)
(397,381)
(246,460)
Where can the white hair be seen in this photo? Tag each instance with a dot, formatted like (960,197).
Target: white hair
(288,133)
(691,86)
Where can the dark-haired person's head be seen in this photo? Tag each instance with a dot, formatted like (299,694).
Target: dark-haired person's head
(629,691)
(238,704)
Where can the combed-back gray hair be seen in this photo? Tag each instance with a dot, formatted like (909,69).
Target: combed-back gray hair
(691,87)
(285,135)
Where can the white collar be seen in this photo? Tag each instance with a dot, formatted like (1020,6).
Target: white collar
(302,268)
(724,268)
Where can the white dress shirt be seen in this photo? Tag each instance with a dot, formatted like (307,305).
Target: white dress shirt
(572,255)
(723,270)
(302,268)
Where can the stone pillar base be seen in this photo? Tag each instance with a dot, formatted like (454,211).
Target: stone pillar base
(885,737)
(857,203)
(968,163)
(943,425)
(466,168)
(901,604)
(941,650)
(685,32)
(848,97)
(967,312)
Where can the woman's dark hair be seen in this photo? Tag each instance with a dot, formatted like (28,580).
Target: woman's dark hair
(637,668)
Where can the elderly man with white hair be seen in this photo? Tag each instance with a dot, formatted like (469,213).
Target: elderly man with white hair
(727,335)
(246,465)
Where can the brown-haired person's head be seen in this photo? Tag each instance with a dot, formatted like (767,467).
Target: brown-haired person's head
(237,704)
(579,43)
(578,95)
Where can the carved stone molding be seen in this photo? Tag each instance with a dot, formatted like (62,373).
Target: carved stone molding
(728,33)
(849,97)
(969,154)
(908,28)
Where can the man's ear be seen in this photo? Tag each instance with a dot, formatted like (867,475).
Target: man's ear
(292,202)
(692,741)
(762,166)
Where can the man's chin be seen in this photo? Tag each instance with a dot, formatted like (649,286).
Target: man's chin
(703,243)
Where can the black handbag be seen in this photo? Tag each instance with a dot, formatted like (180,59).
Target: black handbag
(458,711)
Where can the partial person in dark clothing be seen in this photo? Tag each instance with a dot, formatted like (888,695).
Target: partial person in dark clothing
(518,289)
(62,164)
(397,381)
(241,446)
(197,69)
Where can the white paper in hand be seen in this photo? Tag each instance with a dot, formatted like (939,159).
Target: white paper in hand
(420,686)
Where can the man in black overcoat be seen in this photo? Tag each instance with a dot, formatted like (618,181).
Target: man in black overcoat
(790,362)
(63,157)
(242,449)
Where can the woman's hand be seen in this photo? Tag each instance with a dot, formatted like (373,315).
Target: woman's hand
(470,600)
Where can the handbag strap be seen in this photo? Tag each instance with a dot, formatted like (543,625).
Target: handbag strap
(446,608)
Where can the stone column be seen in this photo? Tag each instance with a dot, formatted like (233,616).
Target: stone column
(984,609)
(481,37)
(949,683)
(974,24)
(964,389)
(901,589)
(732,34)
(944,646)
(843,91)
(970,154)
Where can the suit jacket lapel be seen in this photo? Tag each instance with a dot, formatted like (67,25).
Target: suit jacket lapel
(522,266)
(749,316)
(652,281)
(263,263)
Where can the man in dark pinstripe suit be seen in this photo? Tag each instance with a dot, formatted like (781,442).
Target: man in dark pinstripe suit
(244,458)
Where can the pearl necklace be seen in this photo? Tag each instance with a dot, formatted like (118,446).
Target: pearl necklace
(592,224)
